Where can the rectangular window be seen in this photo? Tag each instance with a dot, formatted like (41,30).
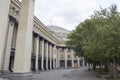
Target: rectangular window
(62,56)
(68,56)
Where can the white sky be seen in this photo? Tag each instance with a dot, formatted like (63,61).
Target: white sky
(68,13)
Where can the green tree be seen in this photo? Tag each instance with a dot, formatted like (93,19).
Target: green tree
(98,39)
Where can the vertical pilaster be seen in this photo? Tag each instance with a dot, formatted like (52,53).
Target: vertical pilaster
(52,52)
(72,59)
(49,55)
(4,10)
(46,44)
(57,59)
(65,58)
(87,65)
(22,61)
(42,54)
(83,62)
(36,51)
(8,44)
(54,56)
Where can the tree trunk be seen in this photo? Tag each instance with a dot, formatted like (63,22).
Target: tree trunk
(94,67)
(88,66)
(109,68)
(106,67)
(114,69)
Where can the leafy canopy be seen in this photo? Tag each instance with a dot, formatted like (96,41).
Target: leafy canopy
(98,38)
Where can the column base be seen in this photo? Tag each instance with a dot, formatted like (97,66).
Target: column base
(21,76)
(47,69)
(6,74)
(0,76)
(36,72)
(42,69)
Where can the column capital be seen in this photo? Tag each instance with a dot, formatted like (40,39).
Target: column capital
(53,45)
(35,34)
(49,43)
(12,19)
(57,47)
(42,39)
(46,41)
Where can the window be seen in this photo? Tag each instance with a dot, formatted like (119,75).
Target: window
(68,56)
(62,56)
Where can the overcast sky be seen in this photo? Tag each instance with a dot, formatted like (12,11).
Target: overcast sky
(68,13)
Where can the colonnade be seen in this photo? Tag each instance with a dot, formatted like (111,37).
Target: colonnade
(69,60)
(23,50)
(73,63)
(44,54)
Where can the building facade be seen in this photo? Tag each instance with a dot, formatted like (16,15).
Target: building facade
(27,45)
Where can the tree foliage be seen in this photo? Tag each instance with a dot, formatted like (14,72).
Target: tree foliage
(98,38)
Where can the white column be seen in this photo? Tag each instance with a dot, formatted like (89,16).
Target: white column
(83,62)
(49,55)
(8,44)
(46,44)
(22,61)
(54,56)
(36,51)
(65,58)
(4,10)
(56,59)
(50,46)
(73,63)
(72,59)
(42,54)
(87,64)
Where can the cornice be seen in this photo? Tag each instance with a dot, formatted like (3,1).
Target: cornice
(39,25)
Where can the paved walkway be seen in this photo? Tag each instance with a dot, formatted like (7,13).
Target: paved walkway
(67,74)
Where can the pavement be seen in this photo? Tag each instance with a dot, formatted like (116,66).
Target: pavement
(67,74)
